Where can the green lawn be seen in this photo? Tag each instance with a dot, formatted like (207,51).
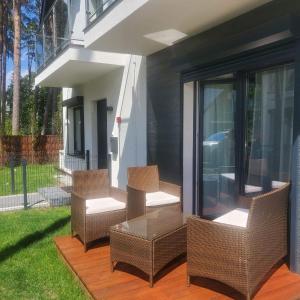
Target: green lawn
(30,267)
(37,176)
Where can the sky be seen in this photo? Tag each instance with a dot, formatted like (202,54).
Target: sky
(24,64)
(9,67)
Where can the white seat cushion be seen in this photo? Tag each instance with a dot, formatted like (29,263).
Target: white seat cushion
(252,189)
(100,205)
(278,184)
(237,217)
(160,198)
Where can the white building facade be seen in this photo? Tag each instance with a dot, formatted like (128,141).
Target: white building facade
(104,99)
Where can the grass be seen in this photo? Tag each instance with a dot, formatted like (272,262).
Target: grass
(30,267)
(38,176)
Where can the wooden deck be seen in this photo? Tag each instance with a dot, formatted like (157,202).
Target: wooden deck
(93,270)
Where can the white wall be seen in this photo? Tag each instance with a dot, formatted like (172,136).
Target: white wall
(132,131)
(125,91)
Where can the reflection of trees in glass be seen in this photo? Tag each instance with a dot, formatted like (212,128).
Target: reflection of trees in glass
(98,7)
(61,22)
(48,36)
(269,122)
(218,131)
(39,55)
(56,29)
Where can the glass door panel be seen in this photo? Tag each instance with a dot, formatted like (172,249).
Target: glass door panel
(269,124)
(218,149)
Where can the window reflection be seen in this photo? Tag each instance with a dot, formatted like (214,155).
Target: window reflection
(218,148)
(269,124)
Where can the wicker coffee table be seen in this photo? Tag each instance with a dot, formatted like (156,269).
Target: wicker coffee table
(149,242)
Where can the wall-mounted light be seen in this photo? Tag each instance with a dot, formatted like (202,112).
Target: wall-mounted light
(118,120)
(109,108)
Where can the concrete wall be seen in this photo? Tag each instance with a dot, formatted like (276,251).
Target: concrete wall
(125,90)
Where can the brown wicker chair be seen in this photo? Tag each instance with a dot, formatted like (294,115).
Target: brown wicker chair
(95,205)
(240,257)
(147,193)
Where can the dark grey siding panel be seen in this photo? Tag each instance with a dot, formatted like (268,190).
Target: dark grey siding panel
(295,192)
(164,118)
(271,23)
(295,210)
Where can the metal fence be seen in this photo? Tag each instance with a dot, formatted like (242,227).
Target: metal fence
(25,185)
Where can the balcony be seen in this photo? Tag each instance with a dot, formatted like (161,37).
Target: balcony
(55,34)
(76,65)
(97,8)
(62,60)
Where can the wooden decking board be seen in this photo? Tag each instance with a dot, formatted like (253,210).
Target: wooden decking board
(92,268)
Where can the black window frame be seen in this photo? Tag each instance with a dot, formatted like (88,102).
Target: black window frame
(75,153)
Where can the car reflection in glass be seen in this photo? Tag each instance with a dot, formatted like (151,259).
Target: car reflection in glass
(216,138)
(218,151)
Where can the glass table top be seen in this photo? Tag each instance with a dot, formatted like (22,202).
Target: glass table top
(154,224)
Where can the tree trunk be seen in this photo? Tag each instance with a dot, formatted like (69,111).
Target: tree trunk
(4,55)
(46,112)
(16,78)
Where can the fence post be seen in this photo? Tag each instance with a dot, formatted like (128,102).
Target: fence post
(87,159)
(24,176)
(12,175)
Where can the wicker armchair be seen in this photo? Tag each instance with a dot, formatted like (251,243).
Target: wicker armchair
(240,256)
(95,205)
(147,193)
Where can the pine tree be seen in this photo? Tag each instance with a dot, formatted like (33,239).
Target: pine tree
(17,66)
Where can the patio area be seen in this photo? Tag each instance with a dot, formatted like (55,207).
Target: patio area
(92,269)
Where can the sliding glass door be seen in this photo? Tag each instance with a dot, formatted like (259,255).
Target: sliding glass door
(245,136)
(269,128)
(218,147)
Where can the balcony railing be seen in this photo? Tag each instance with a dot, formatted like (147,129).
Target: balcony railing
(54,35)
(96,8)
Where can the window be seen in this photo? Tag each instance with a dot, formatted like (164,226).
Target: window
(245,136)
(96,8)
(75,131)
(269,124)
(78,130)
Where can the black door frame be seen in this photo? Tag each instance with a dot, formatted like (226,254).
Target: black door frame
(102,149)
(283,54)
